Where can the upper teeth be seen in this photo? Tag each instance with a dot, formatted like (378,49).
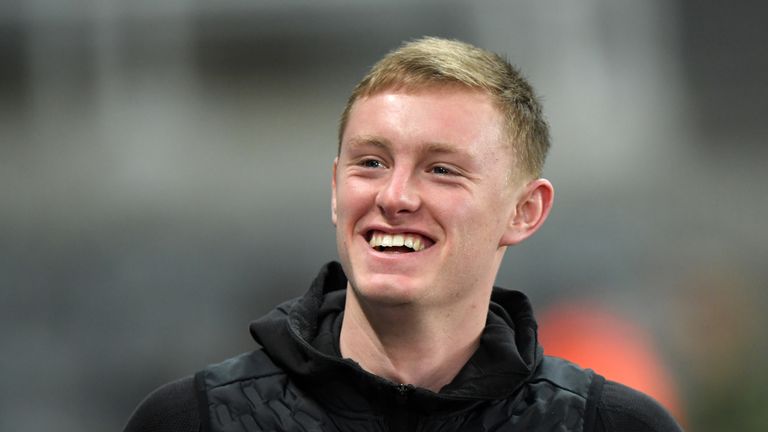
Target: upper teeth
(413,241)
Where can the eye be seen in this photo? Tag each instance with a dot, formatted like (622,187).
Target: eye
(441,170)
(371,163)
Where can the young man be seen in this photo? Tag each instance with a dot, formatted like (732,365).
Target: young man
(441,148)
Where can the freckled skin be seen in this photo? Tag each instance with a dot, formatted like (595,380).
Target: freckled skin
(466,212)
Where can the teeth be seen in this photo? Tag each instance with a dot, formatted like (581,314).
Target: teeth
(417,244)
(413,241)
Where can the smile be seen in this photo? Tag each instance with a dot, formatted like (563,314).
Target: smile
(398,243)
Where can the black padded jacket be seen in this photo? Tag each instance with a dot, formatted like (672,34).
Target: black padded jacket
(298,380)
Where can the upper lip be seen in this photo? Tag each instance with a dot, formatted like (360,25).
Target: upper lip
(396,230)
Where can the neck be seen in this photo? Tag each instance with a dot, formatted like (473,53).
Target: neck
(409,344)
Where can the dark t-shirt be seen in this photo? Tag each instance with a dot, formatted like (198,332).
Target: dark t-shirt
(173,408)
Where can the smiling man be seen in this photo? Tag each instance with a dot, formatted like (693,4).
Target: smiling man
(441,148)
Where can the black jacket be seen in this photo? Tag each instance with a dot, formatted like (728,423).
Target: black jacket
(299,382)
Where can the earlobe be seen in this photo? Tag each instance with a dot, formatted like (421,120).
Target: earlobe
(531,210)
(333,191)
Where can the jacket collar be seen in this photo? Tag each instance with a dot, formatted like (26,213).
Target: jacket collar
(296,334)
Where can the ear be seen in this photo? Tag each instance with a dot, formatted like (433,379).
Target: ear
(531,210)
(333,191)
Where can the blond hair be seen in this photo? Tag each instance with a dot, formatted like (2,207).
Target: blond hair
(433,61)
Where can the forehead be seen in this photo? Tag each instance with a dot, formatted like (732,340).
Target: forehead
(441,119)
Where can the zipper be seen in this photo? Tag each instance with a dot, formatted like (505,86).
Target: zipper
(403,391)
(400,420)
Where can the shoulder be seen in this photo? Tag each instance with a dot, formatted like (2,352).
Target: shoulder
(175,407)
(170,408)
(250,365)
(621,408)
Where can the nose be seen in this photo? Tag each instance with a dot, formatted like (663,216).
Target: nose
(399,196)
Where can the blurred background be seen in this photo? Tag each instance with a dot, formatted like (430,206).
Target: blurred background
(165,174)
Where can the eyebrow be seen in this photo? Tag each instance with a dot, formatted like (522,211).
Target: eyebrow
(429,148)
(369,141)
(441,148)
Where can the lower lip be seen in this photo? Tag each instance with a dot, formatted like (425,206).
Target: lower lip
(398,253)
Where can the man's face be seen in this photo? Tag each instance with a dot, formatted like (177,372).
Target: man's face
(422,196)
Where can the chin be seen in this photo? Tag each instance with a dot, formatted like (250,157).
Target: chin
(388,289)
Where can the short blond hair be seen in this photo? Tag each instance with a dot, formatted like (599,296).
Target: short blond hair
(433,61)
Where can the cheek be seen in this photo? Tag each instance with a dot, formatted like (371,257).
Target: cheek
(353,200)
(478,225)
(341,246)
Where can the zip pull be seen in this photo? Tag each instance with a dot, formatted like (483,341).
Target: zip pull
(403,391)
